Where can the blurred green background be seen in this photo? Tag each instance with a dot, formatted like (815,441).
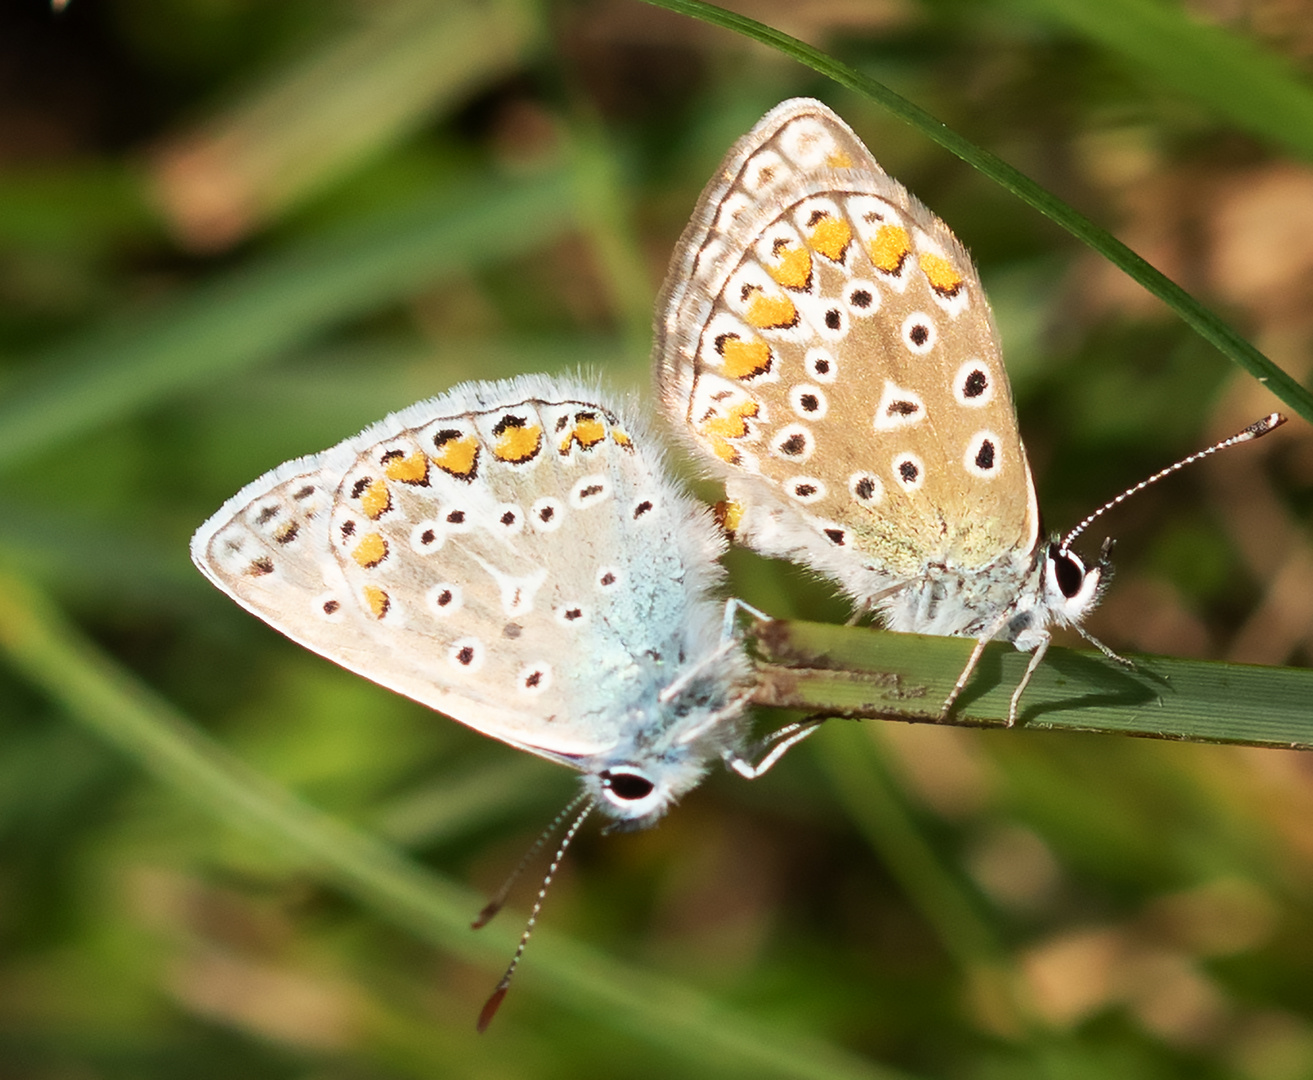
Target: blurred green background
(236,231)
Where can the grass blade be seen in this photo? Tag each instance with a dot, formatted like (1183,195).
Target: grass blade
(860,672)
(346,102)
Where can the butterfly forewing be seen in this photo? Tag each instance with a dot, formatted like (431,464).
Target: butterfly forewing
(511,566)
(845,371)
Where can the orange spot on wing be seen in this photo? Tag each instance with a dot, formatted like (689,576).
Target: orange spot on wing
(733,425)
(621,439)
(743,359)
(794,270)
(588,431)
(943,278)
(371,551)
(376,600)
(729,515)
(771,312)
(375,500)
(409,470)
(831,236)
(839,160)
(458,455)
(889,247)
(517,442)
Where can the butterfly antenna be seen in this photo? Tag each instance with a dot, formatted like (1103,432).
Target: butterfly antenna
(499,898)
(494,1001)
(1255,430)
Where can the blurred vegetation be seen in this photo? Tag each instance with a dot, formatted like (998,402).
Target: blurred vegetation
(236,231)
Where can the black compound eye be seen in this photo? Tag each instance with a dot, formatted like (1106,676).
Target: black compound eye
(1068,571)
(627,786)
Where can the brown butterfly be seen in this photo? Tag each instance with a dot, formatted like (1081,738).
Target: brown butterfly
(824,344)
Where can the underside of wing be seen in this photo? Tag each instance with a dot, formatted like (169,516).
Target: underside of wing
(831,353)
(511,566)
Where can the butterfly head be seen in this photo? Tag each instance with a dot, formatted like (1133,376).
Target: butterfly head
(635,794)
(1071,588)
(676,734)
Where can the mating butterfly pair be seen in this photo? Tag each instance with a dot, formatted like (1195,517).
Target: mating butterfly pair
(516,555)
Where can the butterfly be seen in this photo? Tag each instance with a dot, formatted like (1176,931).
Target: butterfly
(516,556)
(824,345)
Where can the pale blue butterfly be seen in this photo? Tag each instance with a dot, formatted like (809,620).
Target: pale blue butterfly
(515,555)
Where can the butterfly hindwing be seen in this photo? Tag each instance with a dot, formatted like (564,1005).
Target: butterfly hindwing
(522,565)
(825,342)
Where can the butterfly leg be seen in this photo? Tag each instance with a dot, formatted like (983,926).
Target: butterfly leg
(728,640)
(984,639)
(870,605)
(732,608)
(775,745)
(971,663)
(1035,659)
(1103,648)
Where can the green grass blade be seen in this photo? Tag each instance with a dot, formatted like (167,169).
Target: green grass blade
(671,1017)
(1257,91)
(1203,321)
(859,672)
(265,309)
(396,65)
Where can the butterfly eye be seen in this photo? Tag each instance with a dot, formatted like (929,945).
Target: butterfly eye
(1068,571)
(626,786)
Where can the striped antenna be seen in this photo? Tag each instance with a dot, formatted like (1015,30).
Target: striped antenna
(494,1001)
(499,898)
(1256,430)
